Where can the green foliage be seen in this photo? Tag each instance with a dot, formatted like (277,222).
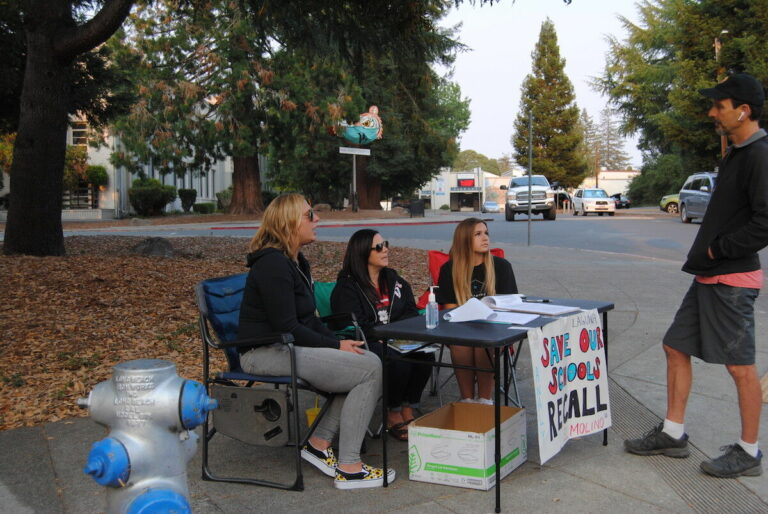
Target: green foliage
(468,160)
(148,196)
(603,143)
(268,196)
(188,198)
(273,82)
(660,175)
(224,198)
(6,155)
(97,175)
(204,208)
(75,166)
(652,76)
(548,95)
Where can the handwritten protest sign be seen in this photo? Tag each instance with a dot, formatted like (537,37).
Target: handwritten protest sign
(570,380)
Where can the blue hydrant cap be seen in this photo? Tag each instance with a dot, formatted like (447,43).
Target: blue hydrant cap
(194,404)
(108,463)
(159,500)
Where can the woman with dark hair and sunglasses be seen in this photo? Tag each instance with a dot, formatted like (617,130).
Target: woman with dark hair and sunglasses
(278,298)
(472,272)
(376,294)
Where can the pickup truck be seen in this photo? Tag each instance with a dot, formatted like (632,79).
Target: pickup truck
(542,197)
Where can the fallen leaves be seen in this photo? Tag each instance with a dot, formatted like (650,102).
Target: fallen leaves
(66,321)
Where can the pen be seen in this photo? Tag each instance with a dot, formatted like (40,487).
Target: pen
(543,300)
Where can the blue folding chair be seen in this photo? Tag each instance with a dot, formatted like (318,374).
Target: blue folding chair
(218,301)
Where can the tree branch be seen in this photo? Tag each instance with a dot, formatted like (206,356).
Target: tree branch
(83,38)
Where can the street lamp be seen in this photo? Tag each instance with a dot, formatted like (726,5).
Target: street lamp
(718,74)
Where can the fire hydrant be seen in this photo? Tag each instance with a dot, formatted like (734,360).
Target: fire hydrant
(151,412)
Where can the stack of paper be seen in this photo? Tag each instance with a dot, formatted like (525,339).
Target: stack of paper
(518,303)
(475,310)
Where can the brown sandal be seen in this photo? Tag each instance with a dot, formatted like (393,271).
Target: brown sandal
(399,431)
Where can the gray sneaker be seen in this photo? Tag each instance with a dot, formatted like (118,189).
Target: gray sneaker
(655,442)
(735,462)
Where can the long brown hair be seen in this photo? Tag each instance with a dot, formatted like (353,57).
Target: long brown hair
(462,257)
(280,225)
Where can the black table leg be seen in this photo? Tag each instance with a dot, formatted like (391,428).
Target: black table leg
(605,347)
(497,425)
(384,398)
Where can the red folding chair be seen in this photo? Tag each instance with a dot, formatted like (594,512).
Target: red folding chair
(435,261)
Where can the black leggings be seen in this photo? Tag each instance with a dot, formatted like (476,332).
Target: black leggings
(405,380)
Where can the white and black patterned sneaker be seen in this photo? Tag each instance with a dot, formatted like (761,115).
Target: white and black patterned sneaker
(325,461)
(735,462)
(368,477)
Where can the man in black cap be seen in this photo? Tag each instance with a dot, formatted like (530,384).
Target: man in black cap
(716,321)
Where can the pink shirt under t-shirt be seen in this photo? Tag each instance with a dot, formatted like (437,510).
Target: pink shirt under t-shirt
(750,279)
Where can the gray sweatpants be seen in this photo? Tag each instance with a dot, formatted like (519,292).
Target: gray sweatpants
(355,377)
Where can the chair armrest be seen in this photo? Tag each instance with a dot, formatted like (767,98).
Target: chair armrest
(258,341)
(340,320)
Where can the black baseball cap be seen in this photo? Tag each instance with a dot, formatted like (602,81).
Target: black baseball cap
(741,86)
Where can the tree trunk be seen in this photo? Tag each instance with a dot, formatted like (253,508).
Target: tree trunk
(246,186)
(34,213)
(53,42)
(368,188)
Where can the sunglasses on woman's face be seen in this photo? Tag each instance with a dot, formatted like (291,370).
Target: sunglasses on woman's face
(380,247)
(310,215)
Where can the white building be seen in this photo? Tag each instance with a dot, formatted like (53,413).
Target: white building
(111,201)
(462,190)
(613,181)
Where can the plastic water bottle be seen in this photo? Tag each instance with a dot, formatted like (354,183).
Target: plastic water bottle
(433,314)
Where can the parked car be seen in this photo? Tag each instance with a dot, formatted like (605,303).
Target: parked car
(489,206)
(669,203)
(593,200)
(694,195)
(621,201)
(542,197)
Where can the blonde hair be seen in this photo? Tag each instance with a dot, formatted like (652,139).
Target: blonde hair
(280,225)
(462,257)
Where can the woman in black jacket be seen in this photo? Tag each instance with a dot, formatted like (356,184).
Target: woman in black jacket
(376,294)
(278,298)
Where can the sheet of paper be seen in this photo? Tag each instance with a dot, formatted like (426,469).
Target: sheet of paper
(503,302)
(512,318)
(407,346)
(547,309)
(473,310)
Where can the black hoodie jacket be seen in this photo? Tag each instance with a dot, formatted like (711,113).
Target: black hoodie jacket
(348,296)
(278,298)
(735,225)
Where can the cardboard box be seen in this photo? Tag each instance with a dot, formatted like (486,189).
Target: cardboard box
(455,445)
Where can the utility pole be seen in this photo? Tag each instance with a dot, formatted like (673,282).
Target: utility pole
(597,167)
(530,169)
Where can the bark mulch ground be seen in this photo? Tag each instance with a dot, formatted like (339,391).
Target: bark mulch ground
(65,321)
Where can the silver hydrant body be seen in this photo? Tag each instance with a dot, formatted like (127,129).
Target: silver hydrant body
(150,412)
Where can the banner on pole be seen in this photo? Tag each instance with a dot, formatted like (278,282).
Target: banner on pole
(570,380)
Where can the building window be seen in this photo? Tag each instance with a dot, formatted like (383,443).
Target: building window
(80,133)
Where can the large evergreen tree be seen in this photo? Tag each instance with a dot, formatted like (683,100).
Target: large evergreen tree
(612,154)
(548,95)
(652,76)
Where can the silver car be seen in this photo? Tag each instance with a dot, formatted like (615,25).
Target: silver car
(695,194)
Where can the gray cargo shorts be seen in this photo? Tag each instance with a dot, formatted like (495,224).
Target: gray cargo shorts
(715,323)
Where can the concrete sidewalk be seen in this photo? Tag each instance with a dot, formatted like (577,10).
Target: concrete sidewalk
(41,468)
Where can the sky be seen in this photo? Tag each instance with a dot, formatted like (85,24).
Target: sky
(502,38)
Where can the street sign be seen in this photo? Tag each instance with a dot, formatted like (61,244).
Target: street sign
(354,151)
